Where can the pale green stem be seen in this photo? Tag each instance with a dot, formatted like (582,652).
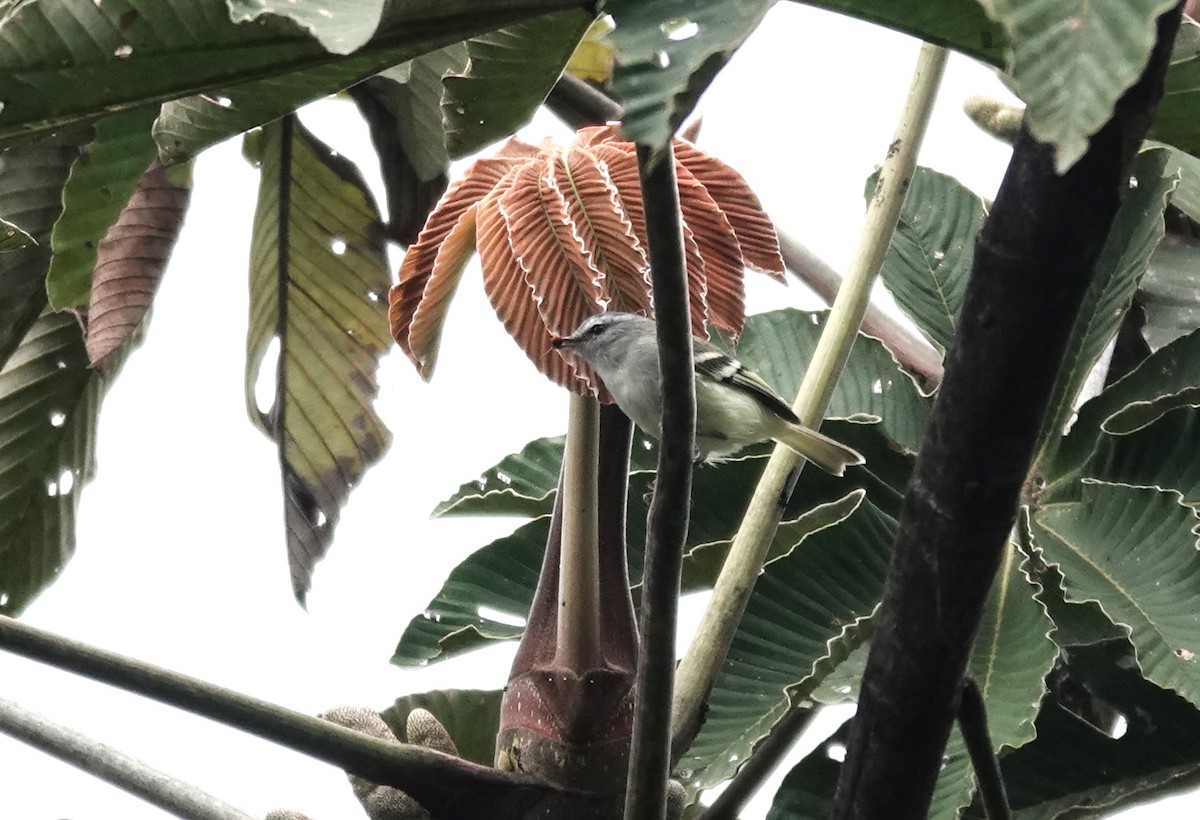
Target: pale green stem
(578,645)
(706,654)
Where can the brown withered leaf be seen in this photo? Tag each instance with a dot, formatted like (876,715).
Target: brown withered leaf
(561,234)
(129,263)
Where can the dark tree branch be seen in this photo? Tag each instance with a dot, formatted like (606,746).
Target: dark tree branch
(449,788)
(666,531)
(579,105)
(972,721)
(1033,264)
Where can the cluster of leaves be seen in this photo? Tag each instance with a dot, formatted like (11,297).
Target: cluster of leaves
(1094,596)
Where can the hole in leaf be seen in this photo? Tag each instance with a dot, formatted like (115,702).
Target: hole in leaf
(52,488)
(680,28)
(322,519)
(57,418)
(264,385)
(500,616)
(662,59)
(337,245)
(123,51)
(836,751)
(373,296)
(938,256)
(3,598)
(65,482)
(877,387)
(1118,728)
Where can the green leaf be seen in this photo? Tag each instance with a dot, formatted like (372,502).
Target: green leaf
(13,237)
(667,54)
(501,576)
(1162,454)
(49,400)
(318,284)
(498,579)
(100,58)
(521,484)
(1169,290)
(341,27)
(809,610)
(510,73)
(1075,623)
(1070,60)
(1133,550)
(958,24)
(1187,193)
(778,346)
(413,92)
(1073,769)
(101,182)
(471,716)
(929,259)
(31,182)
(1168,378)
(1176,119)
(1136,230)
(1009,662)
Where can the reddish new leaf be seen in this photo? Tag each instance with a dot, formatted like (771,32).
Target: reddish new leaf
(130,261)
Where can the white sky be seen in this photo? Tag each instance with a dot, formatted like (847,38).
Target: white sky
(180,554)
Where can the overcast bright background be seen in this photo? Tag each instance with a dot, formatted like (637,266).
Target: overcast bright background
(180,555)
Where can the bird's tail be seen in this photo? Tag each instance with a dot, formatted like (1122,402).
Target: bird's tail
(831,456)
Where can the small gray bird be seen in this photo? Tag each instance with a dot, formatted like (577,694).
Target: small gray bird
(734,406)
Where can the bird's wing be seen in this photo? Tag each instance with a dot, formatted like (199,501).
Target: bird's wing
(712,364)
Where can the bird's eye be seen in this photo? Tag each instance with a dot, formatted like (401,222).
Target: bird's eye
(595,330)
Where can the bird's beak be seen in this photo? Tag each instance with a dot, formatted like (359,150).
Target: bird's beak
(562,342)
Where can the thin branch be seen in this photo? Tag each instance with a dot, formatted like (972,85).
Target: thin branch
(761,764)
(1033,264)
(666,531)
(912,351)
(113,767)
(710,644)
(447,787)
(972,720)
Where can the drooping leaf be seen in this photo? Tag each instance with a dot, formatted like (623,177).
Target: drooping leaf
(525,480)
(49,401)
(318,275)
(414,92)
(341,27)
(130,260)
(1074,769)
(102,179)
(31,182)
(510,73)
(111,56)
(667,54)
(1187,193)
(471,716)
(1070,61)
(1169,289)
(929,259)
(1136,230)
(1076,623)
(14,237)
(809,609)
(1133,550)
